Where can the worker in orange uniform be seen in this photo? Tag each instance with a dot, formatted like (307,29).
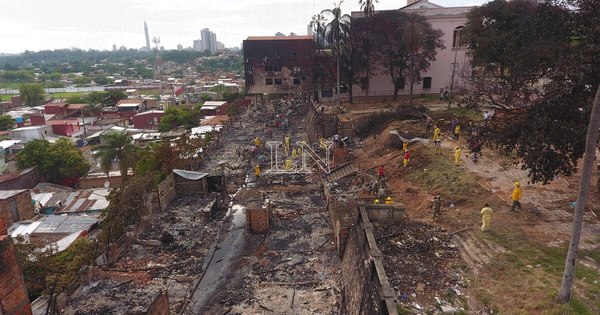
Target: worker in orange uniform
(406,158)
(404,146)
(516,196)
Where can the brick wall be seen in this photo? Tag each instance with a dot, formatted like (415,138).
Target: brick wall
(258,218)
(13,295)
(98,182)
(365,286)
(166,191)
(24,207)
(160,306)
(26,179)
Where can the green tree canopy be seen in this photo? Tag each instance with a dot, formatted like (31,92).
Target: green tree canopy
(61,162)
(6,122)
(32,94)
(116,146)
(178,117)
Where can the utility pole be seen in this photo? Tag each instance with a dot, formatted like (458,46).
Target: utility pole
(452,78)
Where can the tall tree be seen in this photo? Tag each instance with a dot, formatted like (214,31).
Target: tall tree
(368,7)
(353,56)
(116,146)
(412,36)
(528,67)
(317,23)
(335,32)
(391,52)
(32,94)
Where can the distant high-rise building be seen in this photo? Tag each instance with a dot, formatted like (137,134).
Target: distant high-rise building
(179,47)
(209,40)
(114,47)
(147,37)
(198,45)
(220,46)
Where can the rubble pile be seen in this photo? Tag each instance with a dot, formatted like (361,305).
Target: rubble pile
(418,262)
(112,297)
(293,268)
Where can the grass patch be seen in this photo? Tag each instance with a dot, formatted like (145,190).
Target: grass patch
(67,94)
(148,92)
(438,173)
(5,97)
(594,254)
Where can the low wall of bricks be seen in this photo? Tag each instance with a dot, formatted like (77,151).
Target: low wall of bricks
(365,286)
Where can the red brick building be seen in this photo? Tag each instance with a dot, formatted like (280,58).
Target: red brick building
(15,205)
(279,64)
(13,294)
(62,127)
(147,120)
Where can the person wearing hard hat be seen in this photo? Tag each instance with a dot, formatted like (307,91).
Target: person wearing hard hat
(457,156)
(257,142)
(516,196)
(404,146)
(257,172)
(457,131)
(486,217)
(389,201)
(376,201)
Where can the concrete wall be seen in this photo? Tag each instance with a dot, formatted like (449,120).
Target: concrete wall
(24,207)
(365,286)
(98,182)
(13,294)
(166,191)
(320,124)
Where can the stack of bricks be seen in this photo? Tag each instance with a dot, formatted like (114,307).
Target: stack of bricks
(258,216)
(13,295)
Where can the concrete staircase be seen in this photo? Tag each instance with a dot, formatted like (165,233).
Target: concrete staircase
(340,172)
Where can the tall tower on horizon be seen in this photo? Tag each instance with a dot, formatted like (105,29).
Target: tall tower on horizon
(147,37)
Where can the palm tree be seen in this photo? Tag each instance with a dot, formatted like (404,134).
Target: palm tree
(584,187)
(318,25)
(335,31)
(412,35)
(368,6)
(116,145)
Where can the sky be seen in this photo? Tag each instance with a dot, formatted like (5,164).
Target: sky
(98,24)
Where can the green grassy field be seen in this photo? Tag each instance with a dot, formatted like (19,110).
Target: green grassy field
(5,97)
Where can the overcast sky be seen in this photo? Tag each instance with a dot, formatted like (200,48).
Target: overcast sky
(53,24)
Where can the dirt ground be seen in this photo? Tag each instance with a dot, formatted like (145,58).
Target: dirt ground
(515,267)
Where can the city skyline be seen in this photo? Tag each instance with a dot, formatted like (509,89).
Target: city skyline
(102,24)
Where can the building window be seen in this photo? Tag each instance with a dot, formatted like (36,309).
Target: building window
(296,81)
(427,82)
(249,68)
(268,68)
(297,69)
(276,68)
(268,81)
(278,81)
(456,37)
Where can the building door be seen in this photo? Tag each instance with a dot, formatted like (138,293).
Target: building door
(13,210)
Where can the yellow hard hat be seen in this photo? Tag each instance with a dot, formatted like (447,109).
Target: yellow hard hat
(517,184)
(376,201)
(388,198)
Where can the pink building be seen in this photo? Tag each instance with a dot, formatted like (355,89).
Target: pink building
(439,75)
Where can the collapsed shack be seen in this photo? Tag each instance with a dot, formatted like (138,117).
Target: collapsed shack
(293,267)
(167,254)
(119,297)
(418,259)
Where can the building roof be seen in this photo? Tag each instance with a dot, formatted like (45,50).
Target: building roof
(150,112)
(214,103)
(128,105)
(5,144)
(189,174)
(12,175)
(30,128)
(130,101)
(304,37)
(5,194)
(65,223)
